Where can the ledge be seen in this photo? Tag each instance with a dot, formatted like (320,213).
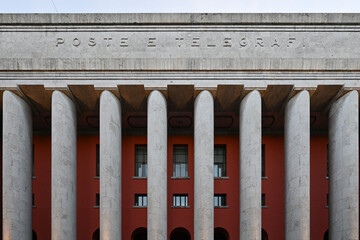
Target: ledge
(221,207)
(221,178)
(139,178)
(180,178)
(96,177)
(139,207)
(180,206)
(264,178)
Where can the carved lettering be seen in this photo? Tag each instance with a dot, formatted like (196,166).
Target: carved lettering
(275,43)
(124,42)
(151,42)
(179,40)
(59,41)
(92,42)
(227,42)
(195,42)
(243,42)
(76,42)
(259,42)
(291,41)
(108,41)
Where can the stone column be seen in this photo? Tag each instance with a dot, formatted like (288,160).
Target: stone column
(250,166)
(297,167)
(17,168)
(110,167)
(157,167)
(63,167)
(204,167)
(344,168)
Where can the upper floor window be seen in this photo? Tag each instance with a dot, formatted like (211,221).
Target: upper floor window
(220,161)
(97,160)
(180,200)
(220,200)
(180,161)
(97,200)
(140,200)
(140,160)
(263,200)
(263,173)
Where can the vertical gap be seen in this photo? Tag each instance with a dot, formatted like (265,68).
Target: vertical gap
(97,160)
(263,173)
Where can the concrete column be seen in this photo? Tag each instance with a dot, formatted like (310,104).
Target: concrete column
(297,167)
(63,168)
(344,168)
(157,167)
(204,167)
(250,166)
(17,168)
(110,167)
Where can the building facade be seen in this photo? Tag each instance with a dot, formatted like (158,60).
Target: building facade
(180,126)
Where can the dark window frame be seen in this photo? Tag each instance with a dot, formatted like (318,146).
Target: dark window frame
(220,200)
(140,160)
(180,200)
(180,166)
(140,200)
(220,161)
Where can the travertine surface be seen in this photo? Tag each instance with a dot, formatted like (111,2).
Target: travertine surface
(204,167)
(250,166)
(110,167)
(344,168)
(157,167)
(63,167)
(17,168)
(297,167)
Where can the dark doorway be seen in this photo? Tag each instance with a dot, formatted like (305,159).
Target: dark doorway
(326,235)
(221,234)
(264,235)
(96,234)
(139,234)
(180,234)
(34,236)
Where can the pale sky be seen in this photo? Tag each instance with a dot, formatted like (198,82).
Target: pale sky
(148,6)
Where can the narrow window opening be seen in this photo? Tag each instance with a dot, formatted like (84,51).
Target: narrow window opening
(219,161)
(141,161)
(180,161)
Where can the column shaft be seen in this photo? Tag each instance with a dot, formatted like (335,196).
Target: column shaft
(17,168)
(204,167)
(157,167)
(250,166)
(344,168)
(297,167)
(110,167)
(63,168)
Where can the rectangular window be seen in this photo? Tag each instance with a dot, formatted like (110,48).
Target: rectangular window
(180,161)
(97,160)
(140,200)
(220,200)
(97,200)
(180,200)
(263,173)
(327,160)
(33,200)
(33,160)
(140,160)
(263,202)
(220,161)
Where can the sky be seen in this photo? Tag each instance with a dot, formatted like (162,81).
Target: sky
(171,6)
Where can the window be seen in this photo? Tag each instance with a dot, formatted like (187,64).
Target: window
(263,202)
(327,200)
(220,161)
(97,160)
(33,200)
(97,200)
(180,200)
(140,160)
(327,161)
(140,200)
(33,161)
(220,200)
(263,173)
(180,161)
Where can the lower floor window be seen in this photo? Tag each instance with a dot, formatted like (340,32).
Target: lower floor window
(140,200)
(180,200)
(219,200)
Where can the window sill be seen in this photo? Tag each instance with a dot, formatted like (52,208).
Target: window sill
(326,206)
(221,178)
(221,207)
(96,206)
(139,178)
(264,178)
(96,177)
(139,206)
(180,206)
(33,206)
(33,177)
(184,178)
(327,177)
(264,206)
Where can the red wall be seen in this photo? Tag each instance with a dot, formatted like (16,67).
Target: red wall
(133,218)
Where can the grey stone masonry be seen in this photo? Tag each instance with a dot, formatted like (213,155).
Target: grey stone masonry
(63,167)
(297,167)
(344,168)
(17,168)
(204,166)
(157,167)
(110,167)
(250,166)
